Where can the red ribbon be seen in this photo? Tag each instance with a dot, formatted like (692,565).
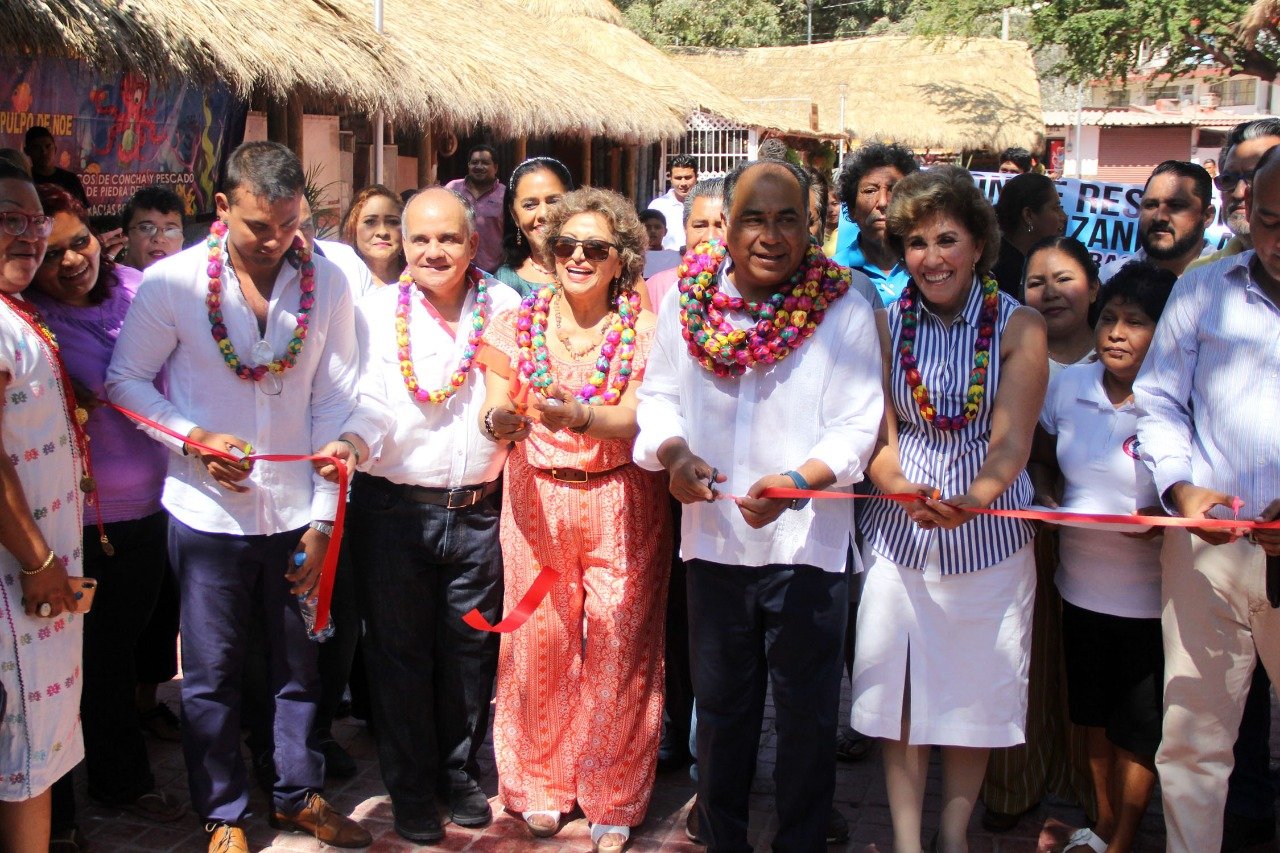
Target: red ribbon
(328,570)
(542,583)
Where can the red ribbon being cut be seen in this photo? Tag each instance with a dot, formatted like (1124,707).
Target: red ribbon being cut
(329,568)
(543,582)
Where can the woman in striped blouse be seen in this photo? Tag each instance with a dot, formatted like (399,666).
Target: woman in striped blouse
(942,647)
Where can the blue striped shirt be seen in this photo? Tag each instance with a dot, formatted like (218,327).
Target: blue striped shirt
(949,461)
(1208,395)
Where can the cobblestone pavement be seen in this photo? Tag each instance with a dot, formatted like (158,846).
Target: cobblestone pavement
(860,795)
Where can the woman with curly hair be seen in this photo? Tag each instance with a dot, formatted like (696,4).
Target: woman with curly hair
(578,721)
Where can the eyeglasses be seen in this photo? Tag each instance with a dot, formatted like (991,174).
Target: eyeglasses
(1227,181)
(150,229)
(592,250)
(16,224)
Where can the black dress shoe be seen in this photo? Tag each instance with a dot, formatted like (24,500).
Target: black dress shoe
(338,763)
(424,829)
(468,805)
(837,828)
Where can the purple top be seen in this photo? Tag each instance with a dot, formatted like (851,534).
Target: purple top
(128,465)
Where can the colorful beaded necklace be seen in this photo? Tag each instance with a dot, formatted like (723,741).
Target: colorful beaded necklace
(217,233)
(783,322)
(479,318)
(535,363)
(909,303)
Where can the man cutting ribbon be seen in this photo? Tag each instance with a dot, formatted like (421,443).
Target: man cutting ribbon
(258,342)
(1209,395)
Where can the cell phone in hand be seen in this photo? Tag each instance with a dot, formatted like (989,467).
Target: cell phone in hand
(83,590)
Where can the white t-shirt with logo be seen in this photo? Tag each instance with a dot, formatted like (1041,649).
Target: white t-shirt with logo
(1102,571)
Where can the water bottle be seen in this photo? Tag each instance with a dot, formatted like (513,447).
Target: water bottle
(307,606)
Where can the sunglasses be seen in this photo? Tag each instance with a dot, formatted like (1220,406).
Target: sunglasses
(1227,181)
(593,250)
(17,224)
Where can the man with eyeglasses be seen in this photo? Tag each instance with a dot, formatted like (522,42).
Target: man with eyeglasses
(152,220)
(1245,145)
(258,341)
(1176,209)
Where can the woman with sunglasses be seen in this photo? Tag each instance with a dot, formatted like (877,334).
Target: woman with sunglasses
(84,295)
(41,448)
(577,722)
(534,189)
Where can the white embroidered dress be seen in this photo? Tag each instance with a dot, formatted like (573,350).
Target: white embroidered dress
(40,737)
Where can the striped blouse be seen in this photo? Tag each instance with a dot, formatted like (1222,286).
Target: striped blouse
(950,460)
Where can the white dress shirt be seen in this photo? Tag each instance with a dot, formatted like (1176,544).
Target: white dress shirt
(352,266)
(436,445)
(672,209)
(823,401)
(167,328)
(1208,394)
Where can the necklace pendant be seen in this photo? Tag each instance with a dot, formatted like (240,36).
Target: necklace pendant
(88,485)
(107,547)
(82,415)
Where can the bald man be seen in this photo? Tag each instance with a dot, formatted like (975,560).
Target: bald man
(1216,345)
(424,525)
(768,592)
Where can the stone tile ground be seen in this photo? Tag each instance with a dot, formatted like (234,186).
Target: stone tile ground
(860,795)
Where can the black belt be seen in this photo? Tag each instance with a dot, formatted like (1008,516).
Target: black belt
(1273,580)
(461,498)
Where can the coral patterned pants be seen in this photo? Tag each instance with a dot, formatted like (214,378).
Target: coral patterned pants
(579,709)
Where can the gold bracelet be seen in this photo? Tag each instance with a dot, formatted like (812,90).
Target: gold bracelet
(48,561)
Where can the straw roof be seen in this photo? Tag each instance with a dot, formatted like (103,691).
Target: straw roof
(586,25)
(458,64)
(948,94)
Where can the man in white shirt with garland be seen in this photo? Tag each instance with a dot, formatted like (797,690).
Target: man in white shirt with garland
(257,339)
(768,592)
(424,519)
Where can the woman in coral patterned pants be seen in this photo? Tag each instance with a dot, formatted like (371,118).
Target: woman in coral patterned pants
(580,684)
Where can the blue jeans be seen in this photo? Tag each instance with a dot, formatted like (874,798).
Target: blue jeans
(418,569)
(219,578)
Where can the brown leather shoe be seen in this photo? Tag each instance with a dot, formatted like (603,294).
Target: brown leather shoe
(225,838)
(318,819)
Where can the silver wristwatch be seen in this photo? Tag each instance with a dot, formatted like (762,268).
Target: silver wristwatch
(325,527)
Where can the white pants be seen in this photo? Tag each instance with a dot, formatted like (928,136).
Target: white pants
(1217,623)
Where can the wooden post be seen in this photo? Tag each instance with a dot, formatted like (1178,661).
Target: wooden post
(586,161)
(522,151)
(277,122)
(615,168)
(294,126)
(630,161)
(426,158)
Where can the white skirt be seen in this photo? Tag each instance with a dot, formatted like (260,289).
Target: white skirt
(967,638)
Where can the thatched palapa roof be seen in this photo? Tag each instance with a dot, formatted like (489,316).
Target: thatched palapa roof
(453,62)
(957,94)
(596,28)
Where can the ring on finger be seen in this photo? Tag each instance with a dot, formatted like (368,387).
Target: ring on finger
(45,609)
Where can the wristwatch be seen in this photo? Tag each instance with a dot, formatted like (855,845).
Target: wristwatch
(325,527)
(800,483)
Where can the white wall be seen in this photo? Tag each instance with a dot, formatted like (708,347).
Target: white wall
(1089,137)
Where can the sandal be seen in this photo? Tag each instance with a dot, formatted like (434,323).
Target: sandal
(542,824)
(155,806)
(1087,839)
(609,839)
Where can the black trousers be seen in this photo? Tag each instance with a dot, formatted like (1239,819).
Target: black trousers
(749,628)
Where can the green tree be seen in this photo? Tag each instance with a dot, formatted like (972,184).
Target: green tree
(723,23)
(1112,38)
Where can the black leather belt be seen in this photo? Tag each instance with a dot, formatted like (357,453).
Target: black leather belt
(575,475)
(462,498)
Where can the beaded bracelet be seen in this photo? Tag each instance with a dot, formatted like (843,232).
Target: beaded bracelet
(48,561)
(591,416)
(488,424)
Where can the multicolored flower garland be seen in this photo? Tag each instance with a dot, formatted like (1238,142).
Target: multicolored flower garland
(909,302)
(782,323)
(479,319)
(534,360)
(217,233)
